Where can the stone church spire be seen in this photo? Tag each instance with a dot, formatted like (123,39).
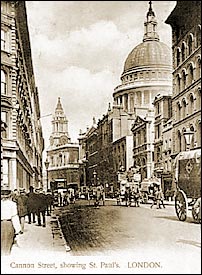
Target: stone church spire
(150,25)
(59,134)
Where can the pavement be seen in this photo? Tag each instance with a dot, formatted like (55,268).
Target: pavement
(38,239)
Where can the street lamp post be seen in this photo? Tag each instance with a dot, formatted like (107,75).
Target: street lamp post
(47,165)
(188,134)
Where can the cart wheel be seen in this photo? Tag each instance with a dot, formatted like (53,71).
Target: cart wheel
(181,205)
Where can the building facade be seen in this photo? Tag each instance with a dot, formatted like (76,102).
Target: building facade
(22,140)
(163,140)
(62,155)
(143,144)
(185,21)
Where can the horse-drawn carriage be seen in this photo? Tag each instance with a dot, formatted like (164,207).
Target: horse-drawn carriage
(187,169)
(147,188)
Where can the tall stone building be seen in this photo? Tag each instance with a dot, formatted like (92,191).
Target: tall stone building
(185,21)
(62,155)
(163,140)
(22,140)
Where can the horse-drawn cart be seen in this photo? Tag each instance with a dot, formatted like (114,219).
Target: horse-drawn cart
(187,169)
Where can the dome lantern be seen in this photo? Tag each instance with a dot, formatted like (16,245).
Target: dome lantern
(150,26)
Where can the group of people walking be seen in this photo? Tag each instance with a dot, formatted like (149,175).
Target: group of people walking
(15,206)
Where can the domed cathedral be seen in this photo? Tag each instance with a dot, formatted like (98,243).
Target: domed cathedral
(147,71)
(62,156)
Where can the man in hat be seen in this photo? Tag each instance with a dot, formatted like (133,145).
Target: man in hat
(21,200)
(31,205)
(10,223)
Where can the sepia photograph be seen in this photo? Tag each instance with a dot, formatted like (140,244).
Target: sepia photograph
(100,137)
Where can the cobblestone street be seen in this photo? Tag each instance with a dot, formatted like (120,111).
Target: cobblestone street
(114,229)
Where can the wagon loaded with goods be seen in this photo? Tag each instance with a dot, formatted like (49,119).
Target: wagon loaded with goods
(187,172)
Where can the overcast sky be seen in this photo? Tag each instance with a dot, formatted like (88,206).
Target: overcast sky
(78,51)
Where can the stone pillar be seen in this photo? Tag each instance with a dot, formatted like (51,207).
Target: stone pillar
(14,182)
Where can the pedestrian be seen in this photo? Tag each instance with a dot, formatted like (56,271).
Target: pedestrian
(155,193)
(136,192)
(41,203)
(10,223)
(50,200)
(127,197)
(31,205)
(160,199)
(21,200)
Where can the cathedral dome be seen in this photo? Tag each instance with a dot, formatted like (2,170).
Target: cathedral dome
(148,53)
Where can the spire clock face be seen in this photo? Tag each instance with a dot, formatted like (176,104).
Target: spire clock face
(63,139)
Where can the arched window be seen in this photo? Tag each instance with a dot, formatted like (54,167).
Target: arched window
(190,44)
(184,79)
(178,84)
(198,36)
(191,74)
(178,56)
(198,67)
(191,103)
(179,111)
(183,51)
(3,82)
(184,104)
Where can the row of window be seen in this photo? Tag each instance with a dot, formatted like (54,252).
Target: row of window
(188,75)
(188,105)
(63,159)
(145,75)
(188,46)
